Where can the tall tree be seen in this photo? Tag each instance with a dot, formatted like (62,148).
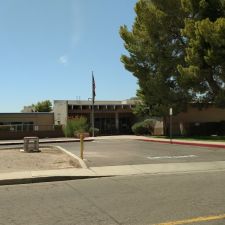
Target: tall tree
(204,72)
(156,46)
(44,106)
(176,50)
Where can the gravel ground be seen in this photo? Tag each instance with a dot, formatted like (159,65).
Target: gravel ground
(48,158)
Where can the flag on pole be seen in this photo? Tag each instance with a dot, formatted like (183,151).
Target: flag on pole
(93,88)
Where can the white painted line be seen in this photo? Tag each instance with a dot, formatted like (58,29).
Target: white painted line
(172,157)
(110,142)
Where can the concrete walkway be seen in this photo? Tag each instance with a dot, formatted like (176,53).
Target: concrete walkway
(44,140)
(93,172)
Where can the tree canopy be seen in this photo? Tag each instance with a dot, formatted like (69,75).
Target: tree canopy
(44,106)
(204,72)
(176,50)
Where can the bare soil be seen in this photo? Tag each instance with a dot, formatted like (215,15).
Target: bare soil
(13,160)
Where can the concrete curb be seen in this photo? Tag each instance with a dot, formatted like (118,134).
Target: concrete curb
(44,179)
(26,177)
(82,163)
(208,145)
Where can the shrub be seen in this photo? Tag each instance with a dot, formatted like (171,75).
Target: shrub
(75,126)
(143,127)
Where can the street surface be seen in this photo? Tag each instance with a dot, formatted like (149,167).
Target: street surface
(132,152)
(127,200)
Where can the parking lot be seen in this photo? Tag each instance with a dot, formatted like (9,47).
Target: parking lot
(112,152)
(132,152)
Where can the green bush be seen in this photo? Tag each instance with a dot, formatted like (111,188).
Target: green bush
(143,127)
(75,126)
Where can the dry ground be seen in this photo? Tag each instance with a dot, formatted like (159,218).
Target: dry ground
(12,160)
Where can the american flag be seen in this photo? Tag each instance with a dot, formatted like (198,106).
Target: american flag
(93,88)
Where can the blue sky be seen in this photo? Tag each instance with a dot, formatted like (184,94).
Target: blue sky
(48,49)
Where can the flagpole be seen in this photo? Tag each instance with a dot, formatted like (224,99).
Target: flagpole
(93,120)
(93,102)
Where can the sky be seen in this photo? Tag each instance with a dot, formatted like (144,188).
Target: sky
(49,48)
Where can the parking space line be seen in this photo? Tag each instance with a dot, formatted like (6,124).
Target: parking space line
(172,157)
(195,220)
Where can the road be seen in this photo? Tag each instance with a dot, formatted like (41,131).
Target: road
(132,152)
(128,200)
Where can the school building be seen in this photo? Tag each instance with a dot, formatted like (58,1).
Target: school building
(110,117)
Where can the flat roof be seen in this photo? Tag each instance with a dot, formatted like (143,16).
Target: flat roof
(28,113)
(101,102)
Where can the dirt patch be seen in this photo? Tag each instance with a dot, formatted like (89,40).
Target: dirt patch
(12,160)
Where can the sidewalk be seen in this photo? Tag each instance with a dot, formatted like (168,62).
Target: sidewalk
(45,140)
(94,172)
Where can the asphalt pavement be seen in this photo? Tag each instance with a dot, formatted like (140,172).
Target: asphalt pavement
(127,200)
(132,152)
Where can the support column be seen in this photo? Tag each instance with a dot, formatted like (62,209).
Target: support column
(91,117)
(117,121)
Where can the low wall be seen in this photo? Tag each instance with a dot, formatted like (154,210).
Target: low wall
(9,135)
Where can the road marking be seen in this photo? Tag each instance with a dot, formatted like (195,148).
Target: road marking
(172,157)
(110,142)
(195,220)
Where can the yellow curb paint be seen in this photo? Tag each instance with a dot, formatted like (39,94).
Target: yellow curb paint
(194,220)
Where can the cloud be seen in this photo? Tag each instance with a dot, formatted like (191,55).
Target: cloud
(63,60)
(78,22)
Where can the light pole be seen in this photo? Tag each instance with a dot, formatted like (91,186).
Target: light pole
(171,115)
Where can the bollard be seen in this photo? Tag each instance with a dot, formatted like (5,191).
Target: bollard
(81,146)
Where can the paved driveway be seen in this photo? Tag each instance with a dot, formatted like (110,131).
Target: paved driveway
(131,152)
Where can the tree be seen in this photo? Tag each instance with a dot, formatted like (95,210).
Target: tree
(44,106)
(176,50)
(141,110)
(204,72)
(156,46)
